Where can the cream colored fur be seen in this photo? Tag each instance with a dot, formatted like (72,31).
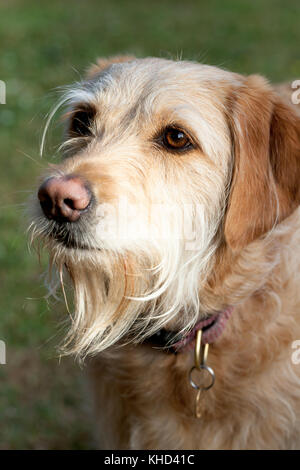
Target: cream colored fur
(142,396)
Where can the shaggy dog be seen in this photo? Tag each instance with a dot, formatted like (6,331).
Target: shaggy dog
(174,211)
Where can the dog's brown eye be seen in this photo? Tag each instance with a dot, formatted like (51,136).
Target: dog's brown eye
(81,122)
(176,139)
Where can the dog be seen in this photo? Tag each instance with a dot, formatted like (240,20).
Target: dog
(174,214)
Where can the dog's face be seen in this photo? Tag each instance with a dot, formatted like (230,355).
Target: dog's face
(161,163)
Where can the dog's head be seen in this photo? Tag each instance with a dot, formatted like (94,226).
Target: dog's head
(167,168)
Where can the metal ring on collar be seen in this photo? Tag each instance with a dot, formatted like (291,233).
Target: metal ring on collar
(202,367)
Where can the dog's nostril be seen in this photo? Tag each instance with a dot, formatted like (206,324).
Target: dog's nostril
(64,198)
(45,199)
(46,204)
(69,203)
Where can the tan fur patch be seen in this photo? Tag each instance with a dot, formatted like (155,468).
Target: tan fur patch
(265,187)
(103,63)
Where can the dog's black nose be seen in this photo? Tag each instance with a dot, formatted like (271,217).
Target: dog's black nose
(64,198)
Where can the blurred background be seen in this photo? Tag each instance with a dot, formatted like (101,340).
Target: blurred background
(43,45)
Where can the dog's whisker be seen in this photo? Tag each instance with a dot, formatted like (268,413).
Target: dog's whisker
(63,287)
(30,158)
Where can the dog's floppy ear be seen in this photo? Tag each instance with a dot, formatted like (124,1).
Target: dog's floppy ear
(103,62)
(265,185)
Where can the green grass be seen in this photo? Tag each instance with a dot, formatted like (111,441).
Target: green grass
(48,44)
